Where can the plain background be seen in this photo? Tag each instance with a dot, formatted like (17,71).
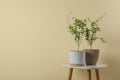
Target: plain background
(34,42)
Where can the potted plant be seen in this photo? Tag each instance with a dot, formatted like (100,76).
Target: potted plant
(91,31)
(77,29)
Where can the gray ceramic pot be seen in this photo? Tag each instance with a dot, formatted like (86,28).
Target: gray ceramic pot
(92,56)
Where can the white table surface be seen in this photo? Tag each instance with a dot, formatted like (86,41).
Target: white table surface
(97,66)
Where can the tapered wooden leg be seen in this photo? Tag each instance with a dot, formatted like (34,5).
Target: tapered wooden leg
(70,74)
(89,74)
(97,74)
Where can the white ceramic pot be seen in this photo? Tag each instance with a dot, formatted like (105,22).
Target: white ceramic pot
(77,57)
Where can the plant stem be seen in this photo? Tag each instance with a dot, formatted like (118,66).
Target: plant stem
(90,46)
(78,46)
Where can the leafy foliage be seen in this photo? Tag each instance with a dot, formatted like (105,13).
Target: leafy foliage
(77,29)
(85,28)
(91,30)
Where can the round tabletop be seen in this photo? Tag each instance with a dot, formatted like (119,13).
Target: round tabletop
(97,66)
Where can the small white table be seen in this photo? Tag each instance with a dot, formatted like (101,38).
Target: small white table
(88,68)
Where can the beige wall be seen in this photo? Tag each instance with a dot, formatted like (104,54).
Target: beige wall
(34,41)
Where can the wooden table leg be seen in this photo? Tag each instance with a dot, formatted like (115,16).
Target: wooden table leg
(97,74)
(89,74)
(70,74)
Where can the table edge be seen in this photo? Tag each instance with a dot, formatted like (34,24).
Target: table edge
(98,66)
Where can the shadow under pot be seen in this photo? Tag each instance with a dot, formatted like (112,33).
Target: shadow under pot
(92,56)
